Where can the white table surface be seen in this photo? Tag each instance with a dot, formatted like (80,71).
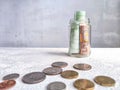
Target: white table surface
(104,61)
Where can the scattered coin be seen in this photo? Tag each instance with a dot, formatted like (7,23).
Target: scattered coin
(11,76)
(52,70)
(69,74)
(56,86)
(34,77)
(84,84)
(59,64)
(7,84)
(104,81)
(82,66)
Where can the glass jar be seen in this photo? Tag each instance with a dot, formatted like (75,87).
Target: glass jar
(80,34)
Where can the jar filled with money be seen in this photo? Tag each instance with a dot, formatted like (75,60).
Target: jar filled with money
(80,35)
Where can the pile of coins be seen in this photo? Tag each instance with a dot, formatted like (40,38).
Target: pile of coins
(55,69)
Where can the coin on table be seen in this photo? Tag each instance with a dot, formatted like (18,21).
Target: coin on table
(104,81)
(82,66)
(56,86)
(84,84)
(59,64)
(7,84)
(34,77)
(52,70)
(11,76)
(69,74)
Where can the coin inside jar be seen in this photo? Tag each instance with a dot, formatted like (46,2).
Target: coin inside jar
(59,64)
(11,76)
(52,70)
(84,84)
(34,77)
(5,85)
(69,74)
(82,66)
(104,81)
(56,86)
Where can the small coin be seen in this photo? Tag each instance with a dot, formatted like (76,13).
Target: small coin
(52,70)
(59,64)
(104,81)
(56,86)
(7,84)
(69,74)
(84,84)
(82,66)
(11,76)
(34,77)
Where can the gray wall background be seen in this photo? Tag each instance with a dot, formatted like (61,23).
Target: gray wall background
(45,23)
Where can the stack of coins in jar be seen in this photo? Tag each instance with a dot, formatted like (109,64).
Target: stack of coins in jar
(80,35)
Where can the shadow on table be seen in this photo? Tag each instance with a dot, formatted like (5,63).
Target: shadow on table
(58,53)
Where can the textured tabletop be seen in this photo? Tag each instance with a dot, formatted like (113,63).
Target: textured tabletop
(104,61)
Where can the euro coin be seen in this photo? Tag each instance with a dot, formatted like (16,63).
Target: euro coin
(69,74)
(84,84)
(82,66)
(104,81)
(34,77)
(56,86)
(59,64)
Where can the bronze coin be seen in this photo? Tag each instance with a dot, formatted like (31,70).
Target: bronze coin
(82,66)
(52,70)
(59,64)
(7,84)
(104,81)
(34,77)
(84,84)
(56,86)
(69,74)
(11,76)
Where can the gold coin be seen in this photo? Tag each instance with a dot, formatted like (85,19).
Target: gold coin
(69,74)
(104,81)
(84,84)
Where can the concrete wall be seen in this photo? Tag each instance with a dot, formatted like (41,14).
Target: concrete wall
(45,23)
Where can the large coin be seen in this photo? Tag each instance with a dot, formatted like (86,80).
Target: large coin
(11,76)
(84,84)
(52,70)
(59,64)
(56,86)
(69,74)
(34,77)
(104,81)
(82,66)
(5,85)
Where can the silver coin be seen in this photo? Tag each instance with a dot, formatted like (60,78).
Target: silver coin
(59,64)
(34,77)
(52,70)
(56,86)
(11,76)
